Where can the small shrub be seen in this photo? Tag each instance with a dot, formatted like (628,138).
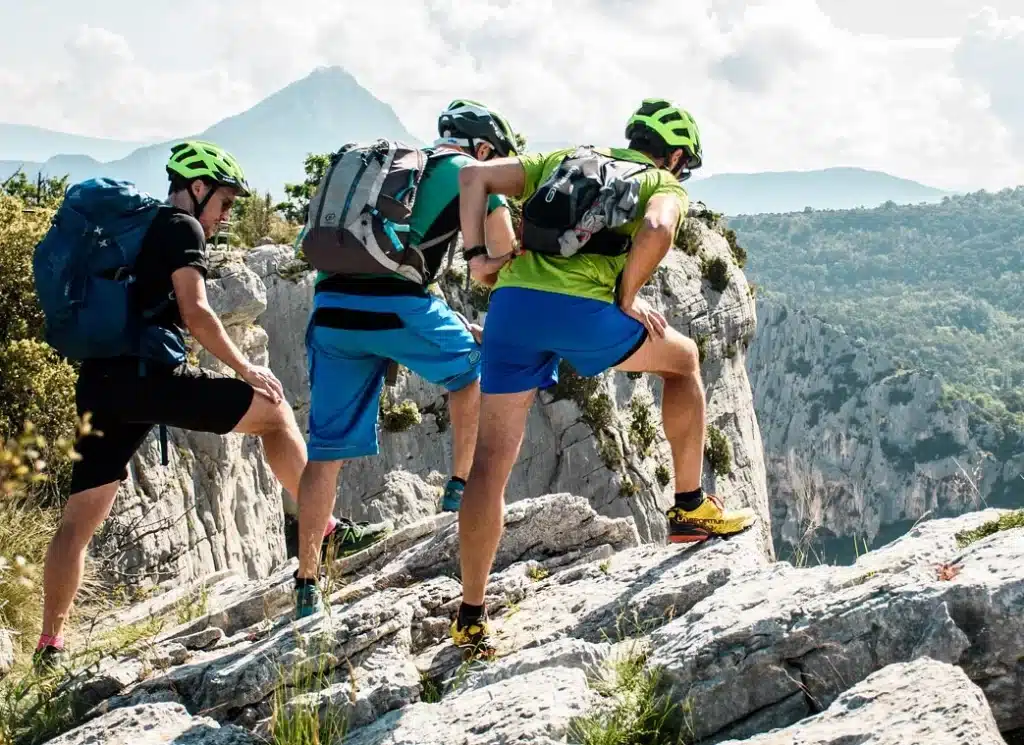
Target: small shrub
(716,271)
(738,252)
(702,341)
(597,408)
(537,573)
(1009,521)
(627,488)
(730,351)
(608,450)
(398,417)
(718,451)
(688,237)
(637,713)
(662,475)
(642,431)
(254,218)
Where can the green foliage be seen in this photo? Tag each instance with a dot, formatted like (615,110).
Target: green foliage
(662,475)
(253,218)
(702,341)
(738,252)
(636,714)
(41,192)
(596,407)
(398,417)
(642,431)
(718,451)
(688,237)
(26,524)
(628,488)
(1008,521)
(293,209)
(716,271)
(35,383)
(938,287)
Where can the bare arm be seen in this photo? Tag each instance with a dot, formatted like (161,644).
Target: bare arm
(500,244)
(476,182)
(190,291)
(652,242)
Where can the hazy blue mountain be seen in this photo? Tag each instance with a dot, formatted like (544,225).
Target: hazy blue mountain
(792,191)
(20,141)
(318,113)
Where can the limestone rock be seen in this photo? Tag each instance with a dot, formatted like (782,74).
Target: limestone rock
(616,466)
(752,646)
(154,724)
(917,702)
(857,448)
(216,505)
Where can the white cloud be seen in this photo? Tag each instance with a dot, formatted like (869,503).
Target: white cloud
(991,57)
(774,84)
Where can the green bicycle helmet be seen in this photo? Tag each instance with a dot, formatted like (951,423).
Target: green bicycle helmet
(194,159)
(465,121)
(670,124)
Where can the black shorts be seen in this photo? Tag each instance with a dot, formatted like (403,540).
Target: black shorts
(126,404)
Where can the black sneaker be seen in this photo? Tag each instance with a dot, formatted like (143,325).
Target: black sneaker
(49,660)
(348,537)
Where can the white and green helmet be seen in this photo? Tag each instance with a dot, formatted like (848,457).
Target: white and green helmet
(465,122)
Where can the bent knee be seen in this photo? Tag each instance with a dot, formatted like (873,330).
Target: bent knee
(684,358)
(264,416)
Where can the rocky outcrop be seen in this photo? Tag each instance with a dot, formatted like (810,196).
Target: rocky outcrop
(596,437)
(858,449)
(6,652)
(216,505)
(912,702)
(741,646)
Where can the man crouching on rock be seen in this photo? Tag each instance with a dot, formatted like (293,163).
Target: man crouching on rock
(573,294)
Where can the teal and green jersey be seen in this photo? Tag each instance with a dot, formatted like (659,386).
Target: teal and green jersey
(436,211)
(584,275)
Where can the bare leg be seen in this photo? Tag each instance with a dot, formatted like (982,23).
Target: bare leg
(65,558)
(502,424)
(317,491)
(464,405)
(282,442)
(675,358)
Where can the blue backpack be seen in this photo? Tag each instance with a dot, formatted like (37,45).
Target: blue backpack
(84,273)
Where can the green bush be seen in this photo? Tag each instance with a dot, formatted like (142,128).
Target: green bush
(688,237)
(662,475)
(716,271)
(738,252)
(254,218)
(35,383)
(718,451)
(398,417)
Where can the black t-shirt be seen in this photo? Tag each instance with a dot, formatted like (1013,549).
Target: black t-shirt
(175,240)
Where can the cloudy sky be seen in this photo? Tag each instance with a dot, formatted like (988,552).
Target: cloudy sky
(926,89)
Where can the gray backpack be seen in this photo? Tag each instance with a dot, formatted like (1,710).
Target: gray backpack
(358,221)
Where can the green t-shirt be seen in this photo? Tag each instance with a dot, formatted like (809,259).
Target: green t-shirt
(436,211)
(583,275)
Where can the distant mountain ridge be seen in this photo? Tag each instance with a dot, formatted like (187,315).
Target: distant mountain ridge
(38,144)
(792,191)
(328,108)
(318,113)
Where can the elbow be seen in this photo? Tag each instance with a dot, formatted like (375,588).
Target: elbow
(196,317)
(659,226)
(471,177)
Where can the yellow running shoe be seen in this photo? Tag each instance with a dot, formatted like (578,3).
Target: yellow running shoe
(707,521)
(474,639)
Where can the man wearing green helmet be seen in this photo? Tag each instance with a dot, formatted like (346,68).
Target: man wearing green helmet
(581,304)
(362,321)
(128,395)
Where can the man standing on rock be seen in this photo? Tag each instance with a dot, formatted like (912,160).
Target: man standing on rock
(360,322)
(128,394)
(560,299)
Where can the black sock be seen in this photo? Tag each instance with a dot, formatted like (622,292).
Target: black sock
(458,480)
(690,500)
(302,581)
(469,614)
